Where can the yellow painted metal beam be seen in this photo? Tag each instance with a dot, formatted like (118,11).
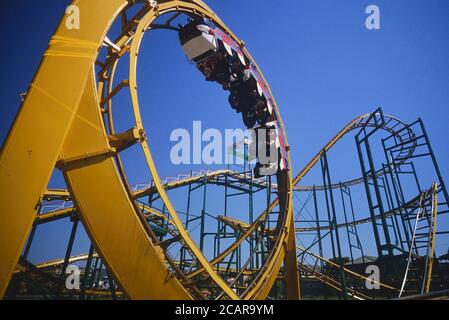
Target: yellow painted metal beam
(60,122)
(109,215)
(34,142)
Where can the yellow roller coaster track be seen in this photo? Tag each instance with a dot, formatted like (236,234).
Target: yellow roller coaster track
(61,123)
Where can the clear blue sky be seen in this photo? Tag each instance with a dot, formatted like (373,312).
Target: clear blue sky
(324,68)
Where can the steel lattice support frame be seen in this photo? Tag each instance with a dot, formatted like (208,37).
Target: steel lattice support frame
(391,211)
(389,181)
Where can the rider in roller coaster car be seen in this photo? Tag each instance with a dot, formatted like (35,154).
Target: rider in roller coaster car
(216,68)
(223,66)
(245,97)
(202,47)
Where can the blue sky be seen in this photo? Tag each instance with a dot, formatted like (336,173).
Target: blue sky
(323,66)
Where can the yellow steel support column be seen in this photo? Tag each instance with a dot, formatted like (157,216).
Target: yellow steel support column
(32,146)
(291,265)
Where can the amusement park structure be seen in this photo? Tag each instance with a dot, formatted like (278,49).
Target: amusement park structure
(289,239)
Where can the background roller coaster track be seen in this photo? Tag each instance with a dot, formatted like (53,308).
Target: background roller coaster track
(389,213)
(361,121)
(393,126)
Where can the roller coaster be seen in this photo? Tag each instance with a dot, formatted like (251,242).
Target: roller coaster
(146,245)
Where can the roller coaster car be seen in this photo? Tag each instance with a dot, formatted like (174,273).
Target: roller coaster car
(198,41)
(269,169)
(248,97)
(221,60)
(251,102)
(216,68)
(268,164)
